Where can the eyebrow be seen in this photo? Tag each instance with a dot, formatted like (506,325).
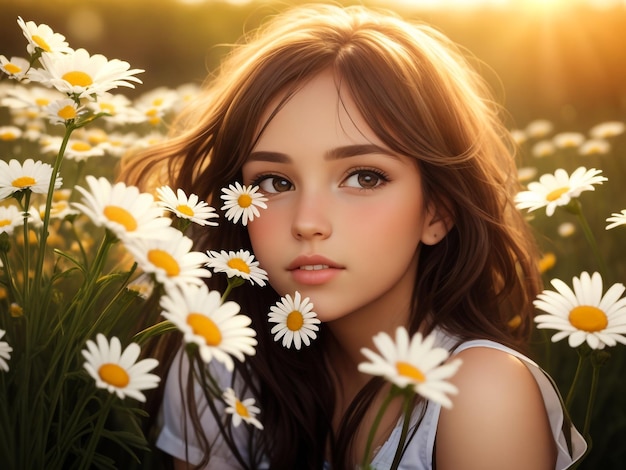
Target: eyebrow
(337,153)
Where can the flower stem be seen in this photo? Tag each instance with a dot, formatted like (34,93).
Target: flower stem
(69,128)
(572,389)
(576,207)
(406,411)
(379,416)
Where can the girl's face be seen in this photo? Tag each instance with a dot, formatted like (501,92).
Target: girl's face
(345,214)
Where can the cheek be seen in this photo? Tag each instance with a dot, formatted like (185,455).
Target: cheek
(264,233)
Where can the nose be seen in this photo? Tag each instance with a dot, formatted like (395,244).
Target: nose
(312,217)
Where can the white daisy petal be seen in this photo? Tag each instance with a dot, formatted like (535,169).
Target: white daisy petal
(122,209)
(584,314)
(32,175)
(295,321)
(414,363)
(237,264)
(117,371)
(241,410)
(5,353)
(242,202)
(558,189)
(190,208)
(218,329)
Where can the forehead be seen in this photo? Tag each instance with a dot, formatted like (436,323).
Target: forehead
(321,106)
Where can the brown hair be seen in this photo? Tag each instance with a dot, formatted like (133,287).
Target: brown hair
(421,97)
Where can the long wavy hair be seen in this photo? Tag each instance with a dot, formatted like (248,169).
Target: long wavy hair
(422,97)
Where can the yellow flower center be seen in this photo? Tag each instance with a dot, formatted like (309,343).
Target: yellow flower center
(4,222)
(241,409)
(557,193)
(244,201)
(80,146)
(107,108)
(588,318)
(547,262)
(77,78)
(114,375)
(205,327)
(239,265)
(185,209)
(295,320)
(121,216)
(162,259)
(67,112)
(12,68)
(152,112)
(8,135)
(41,42)
(408,370)
(157,101)
(42,102)
(23,182)
(15,310)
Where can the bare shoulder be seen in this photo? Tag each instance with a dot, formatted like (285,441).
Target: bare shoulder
(498,419)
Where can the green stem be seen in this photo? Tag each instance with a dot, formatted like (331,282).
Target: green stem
(572,389)
(393,393)
(576,207)
(26,287)
(69,128)
(87,459)
(154,330)
(406,411)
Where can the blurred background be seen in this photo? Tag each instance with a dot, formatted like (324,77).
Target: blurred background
(563,61)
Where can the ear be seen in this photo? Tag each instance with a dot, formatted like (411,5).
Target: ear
(437,224)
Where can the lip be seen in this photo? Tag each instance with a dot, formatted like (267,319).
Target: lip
(313,269)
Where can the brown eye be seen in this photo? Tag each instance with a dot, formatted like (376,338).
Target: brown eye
(275,184)
(365,179)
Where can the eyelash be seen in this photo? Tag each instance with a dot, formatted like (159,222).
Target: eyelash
(384,177)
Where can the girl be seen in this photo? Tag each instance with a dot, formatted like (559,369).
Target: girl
(389,181)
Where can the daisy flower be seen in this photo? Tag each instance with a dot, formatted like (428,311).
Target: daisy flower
(616,219)
(539,128)
(190,208)
(61,111)
(595,147)
(519,136)
(10,217)
(584,314)
(218,329)
(566,229)
(80,150)
(413,362)
(568,139)
(295,321)
(80,75)
(170,259)
(10,133)
(240,263)
(32,175)
(543,148)
(241,410)
(15,68)
(242,202)
(557,190)
(117,108)
(5,353)
(42,37)
(607,129)
(121,209)
(526,173)
(118,371)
